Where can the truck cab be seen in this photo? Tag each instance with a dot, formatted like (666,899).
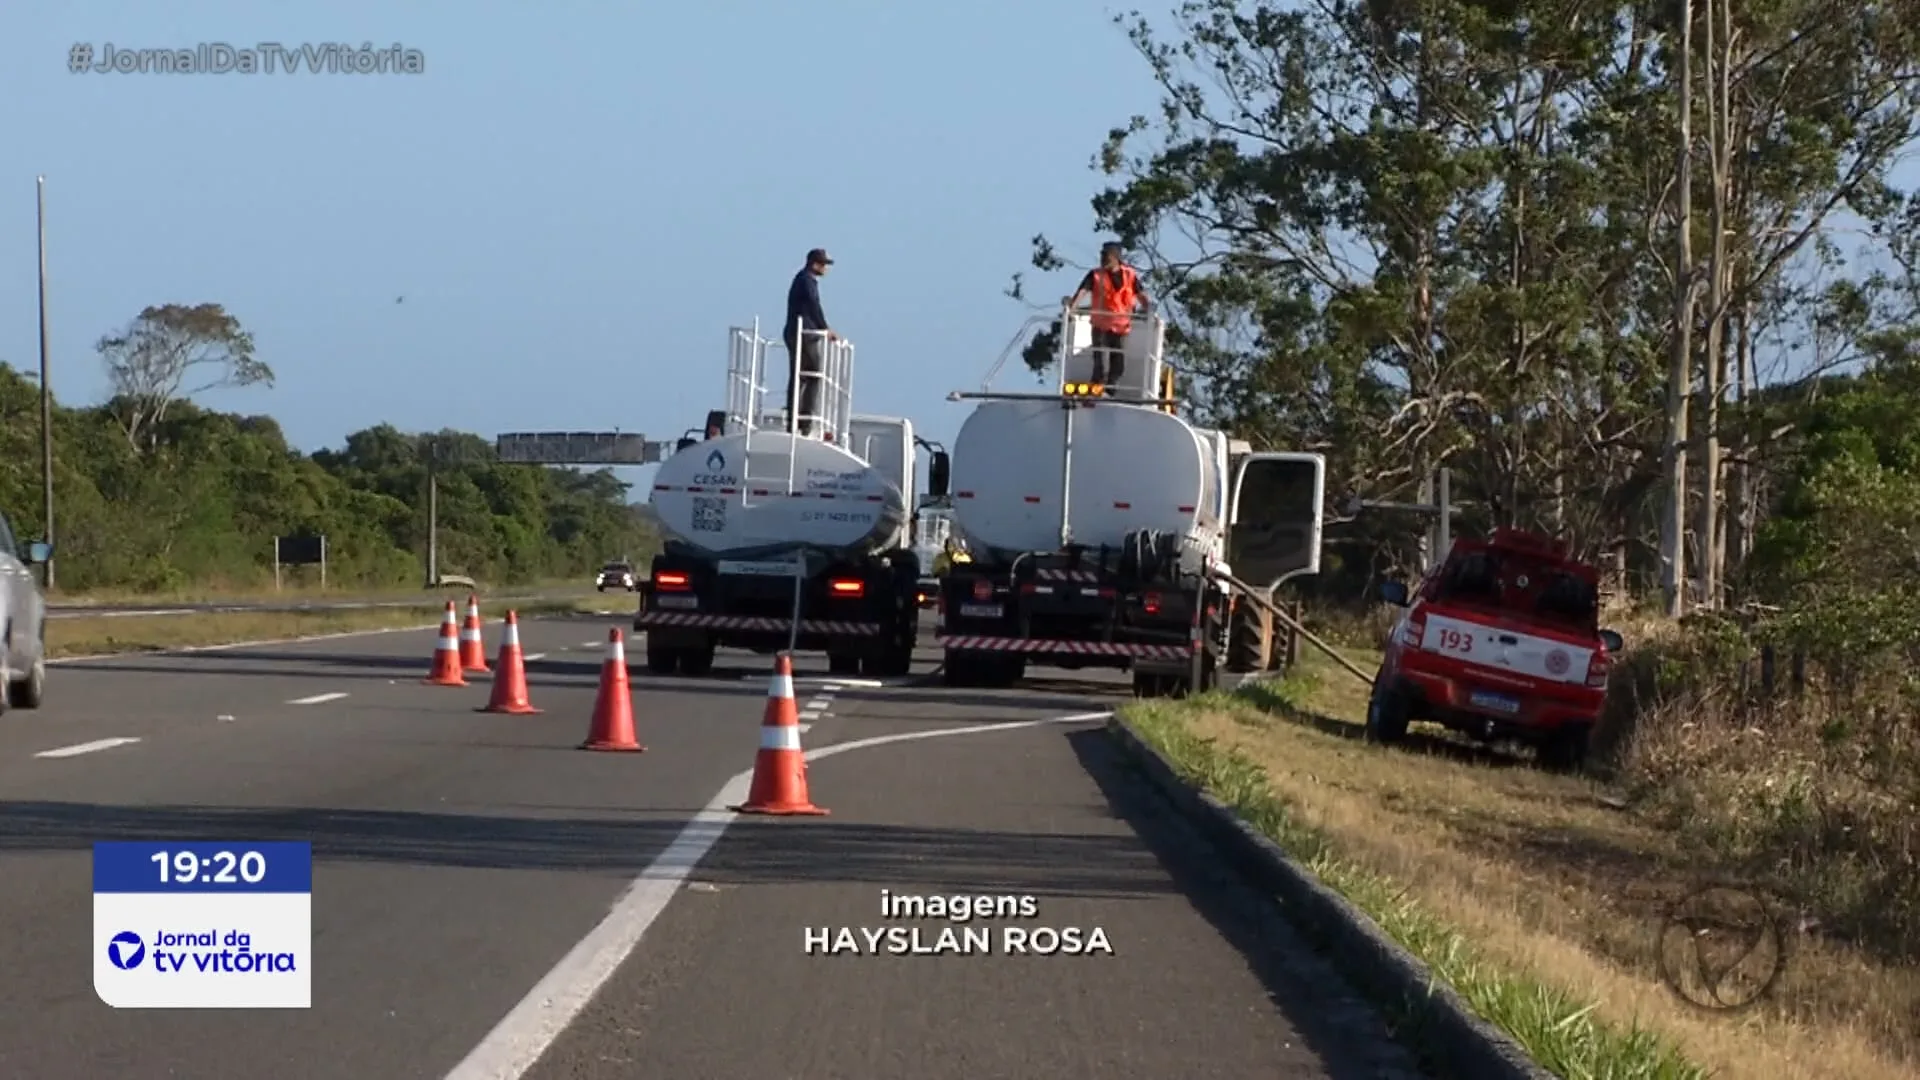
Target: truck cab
(1501,640)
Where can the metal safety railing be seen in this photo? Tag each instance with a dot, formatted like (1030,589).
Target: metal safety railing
(827,389)
(1144,371)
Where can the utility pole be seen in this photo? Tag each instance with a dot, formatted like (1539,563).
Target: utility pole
(433,512)
(46,392)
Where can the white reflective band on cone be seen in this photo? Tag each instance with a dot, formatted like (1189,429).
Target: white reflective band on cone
(617,650)
(780,738)
(780,687)
(447,642)
(470,634)
(512,636)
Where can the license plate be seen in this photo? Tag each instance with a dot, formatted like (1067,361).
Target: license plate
(1497,702)
(742,568)
(676,601)
(982,611)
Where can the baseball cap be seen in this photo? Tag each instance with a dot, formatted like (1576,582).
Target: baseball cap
(818,255)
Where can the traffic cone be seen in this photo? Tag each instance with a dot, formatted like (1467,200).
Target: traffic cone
(510,685)
(473,647)
(613,708)
(446,654)
(779,769)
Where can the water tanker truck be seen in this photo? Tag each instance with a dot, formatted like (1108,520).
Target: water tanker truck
(1103,527)
(786,532)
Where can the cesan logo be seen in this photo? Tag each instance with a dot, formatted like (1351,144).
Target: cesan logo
(716,473)
(716,462)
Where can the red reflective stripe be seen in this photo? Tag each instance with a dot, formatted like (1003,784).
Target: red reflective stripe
(1033,498)
(1186,509)
(966,494)
(729,491)
(1122,506)
(760,491)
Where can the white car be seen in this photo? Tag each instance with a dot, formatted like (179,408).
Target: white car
(615,575)
(23,622)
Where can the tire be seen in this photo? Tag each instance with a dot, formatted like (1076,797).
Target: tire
(843,664)
(29,692)
(1564,749)
(1387,717)
(662,660)
(1249,639)
(1149,685)
(698,660)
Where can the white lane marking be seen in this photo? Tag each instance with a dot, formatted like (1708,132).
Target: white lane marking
(517,1042)
(594,645)
(804,728)
(243,644)
(87,747)
(820,702)
(534,656)
(318,699)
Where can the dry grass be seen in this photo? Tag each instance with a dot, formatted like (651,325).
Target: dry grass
(1531,886)
(92,636)
(217,592)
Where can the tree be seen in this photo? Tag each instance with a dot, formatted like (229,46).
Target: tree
(154,359)
(1427,232)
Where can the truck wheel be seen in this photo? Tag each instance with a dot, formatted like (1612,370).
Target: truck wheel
(661,660)
(843,663)
(1149,685)
(959,669)
(1249,638)
(697,660)
(1564,749)
(1387,716)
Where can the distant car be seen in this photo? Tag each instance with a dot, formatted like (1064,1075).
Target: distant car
(616,575)
(23,621)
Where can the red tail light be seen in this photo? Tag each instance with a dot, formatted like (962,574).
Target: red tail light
(1151,602)
(672,581)
(1413,631)
(847,588)
(1597,669)
(982,589)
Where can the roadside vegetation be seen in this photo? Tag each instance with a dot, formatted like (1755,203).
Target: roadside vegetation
(157,497)
(89,635)
(1639,275)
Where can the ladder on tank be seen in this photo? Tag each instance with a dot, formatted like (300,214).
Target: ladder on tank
(771,463)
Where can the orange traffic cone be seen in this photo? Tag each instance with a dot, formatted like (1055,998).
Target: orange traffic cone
(510,685)
(780,769)
(613,708)
(473,647)
(446,654)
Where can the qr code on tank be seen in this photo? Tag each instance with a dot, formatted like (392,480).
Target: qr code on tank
(709,515)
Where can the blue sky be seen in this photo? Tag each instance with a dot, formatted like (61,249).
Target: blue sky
(576,200)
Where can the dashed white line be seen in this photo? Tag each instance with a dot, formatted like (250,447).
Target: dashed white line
(516,1043)
(86,747)
(594,645)
(317,699)
(534,656)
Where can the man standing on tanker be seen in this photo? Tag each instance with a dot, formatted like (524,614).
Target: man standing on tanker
(1115,291)
(805,362)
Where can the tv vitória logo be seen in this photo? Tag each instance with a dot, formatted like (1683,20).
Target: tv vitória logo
(126,950)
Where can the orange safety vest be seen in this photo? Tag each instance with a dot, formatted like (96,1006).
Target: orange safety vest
(1118,301)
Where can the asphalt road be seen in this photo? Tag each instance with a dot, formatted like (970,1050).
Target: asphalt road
(491,902)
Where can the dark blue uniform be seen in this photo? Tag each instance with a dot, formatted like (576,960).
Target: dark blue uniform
(803,308)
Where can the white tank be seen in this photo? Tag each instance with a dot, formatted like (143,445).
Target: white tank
(1133,468)
(713,497)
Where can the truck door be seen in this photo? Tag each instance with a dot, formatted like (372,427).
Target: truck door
(1276,516)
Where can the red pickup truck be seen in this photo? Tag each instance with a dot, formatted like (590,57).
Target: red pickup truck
(1502,641)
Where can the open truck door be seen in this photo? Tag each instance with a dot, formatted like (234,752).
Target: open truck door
(1274,525)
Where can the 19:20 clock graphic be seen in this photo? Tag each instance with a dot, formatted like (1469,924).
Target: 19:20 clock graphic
(203,925)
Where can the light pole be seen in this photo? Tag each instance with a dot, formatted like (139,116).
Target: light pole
(46,391)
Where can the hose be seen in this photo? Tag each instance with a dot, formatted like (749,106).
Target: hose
(1150,555)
